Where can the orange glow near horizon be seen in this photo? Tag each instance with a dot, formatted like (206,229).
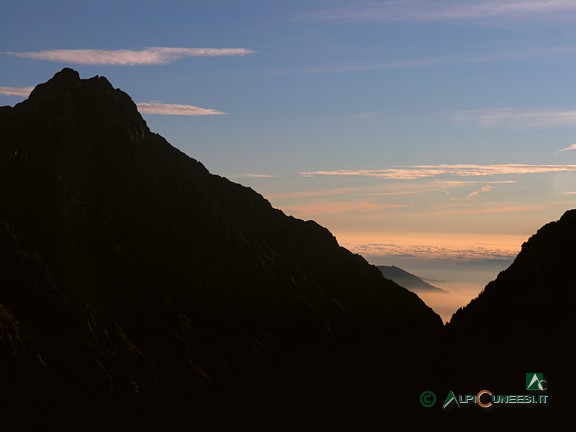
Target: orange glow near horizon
(449,242)
(461,264)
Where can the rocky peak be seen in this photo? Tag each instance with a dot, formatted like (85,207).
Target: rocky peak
(94,100)
(66,76)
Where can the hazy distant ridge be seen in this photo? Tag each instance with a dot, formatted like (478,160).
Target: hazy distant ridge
(407,280)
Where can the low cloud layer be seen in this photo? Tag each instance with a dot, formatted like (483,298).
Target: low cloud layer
(431,251)
(146,56)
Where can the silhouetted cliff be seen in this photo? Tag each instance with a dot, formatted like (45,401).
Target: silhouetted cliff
(533,299)
(524,321)
(129,272)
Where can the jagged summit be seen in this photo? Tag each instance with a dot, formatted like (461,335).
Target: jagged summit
(73,98)
(67,77)
(69,80)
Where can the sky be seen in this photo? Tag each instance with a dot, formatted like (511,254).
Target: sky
(435,135)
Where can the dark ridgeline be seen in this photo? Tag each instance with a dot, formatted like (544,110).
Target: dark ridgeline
(132,279)
(534,298)
(407,280)
(526,318)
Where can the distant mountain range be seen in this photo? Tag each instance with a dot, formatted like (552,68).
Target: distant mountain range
(407,280)
(134,282)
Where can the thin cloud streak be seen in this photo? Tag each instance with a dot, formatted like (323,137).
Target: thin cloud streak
(158,108)
(460,170)
(569,148)
(16,91)
(514,118)
(399,192)
(459,182)
(146,56)
(420,10)
(255,175)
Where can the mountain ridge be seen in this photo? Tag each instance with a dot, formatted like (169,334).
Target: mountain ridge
(535,275)
(163,278)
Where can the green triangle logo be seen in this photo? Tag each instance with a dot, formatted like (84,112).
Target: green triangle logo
(534,381)
(449,399)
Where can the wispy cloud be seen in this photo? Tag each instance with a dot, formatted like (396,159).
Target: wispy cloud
(146,56)
(16,91)
(175,109)
(256,175)
(442,10)
(482,190)
(466,182)
(459,170)
(515,118)
(570,147)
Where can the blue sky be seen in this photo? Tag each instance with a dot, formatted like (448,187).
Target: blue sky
(408,128)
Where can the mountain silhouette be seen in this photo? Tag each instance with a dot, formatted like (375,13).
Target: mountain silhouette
(534,297)
(523,321)
(407,280)
(132,277)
